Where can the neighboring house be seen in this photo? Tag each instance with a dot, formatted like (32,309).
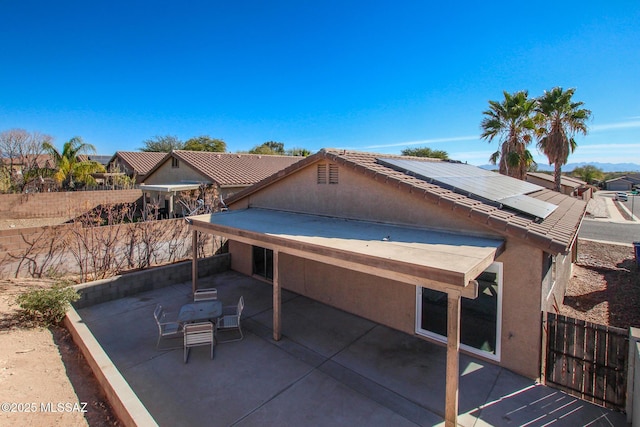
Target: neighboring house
(623,183)
(135,164)
(569,185)
(99,158)
(227,173)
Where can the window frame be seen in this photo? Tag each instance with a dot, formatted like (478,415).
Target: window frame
(495,267)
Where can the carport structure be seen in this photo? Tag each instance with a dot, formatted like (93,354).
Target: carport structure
(432,259)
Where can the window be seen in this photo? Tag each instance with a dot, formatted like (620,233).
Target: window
(175,163)
(263,262)
(480,318)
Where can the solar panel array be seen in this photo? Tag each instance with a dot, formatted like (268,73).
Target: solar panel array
(476,182)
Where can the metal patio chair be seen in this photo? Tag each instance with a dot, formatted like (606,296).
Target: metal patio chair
(168,326)
(205,294)
(231,320)
(197,334)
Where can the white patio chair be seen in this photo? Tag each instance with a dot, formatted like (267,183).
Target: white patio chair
(168,327)
(205,294)
(231,319)
(197,334)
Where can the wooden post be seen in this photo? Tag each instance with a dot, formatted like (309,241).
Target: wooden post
(453,358)
(277,300)
(194,261)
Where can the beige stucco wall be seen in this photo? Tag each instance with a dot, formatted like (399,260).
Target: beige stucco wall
(166,174)
(393,303)
(521,317)
(358,197)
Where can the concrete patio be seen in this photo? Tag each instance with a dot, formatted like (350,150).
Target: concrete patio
(330,368)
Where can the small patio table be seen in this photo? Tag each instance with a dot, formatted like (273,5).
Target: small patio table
(200,311)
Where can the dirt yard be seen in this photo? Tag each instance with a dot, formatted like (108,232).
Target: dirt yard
(40,368)
(44,379)
(605,287)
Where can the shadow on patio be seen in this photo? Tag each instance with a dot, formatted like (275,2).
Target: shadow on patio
(330,368)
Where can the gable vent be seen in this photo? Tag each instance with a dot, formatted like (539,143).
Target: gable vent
(333,174)
(322,174)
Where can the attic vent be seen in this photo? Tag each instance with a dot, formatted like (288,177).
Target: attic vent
(333,174)
(322,174)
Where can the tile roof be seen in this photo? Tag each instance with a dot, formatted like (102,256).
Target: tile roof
(555,234)
(228,169)
(140,162)
(564,180)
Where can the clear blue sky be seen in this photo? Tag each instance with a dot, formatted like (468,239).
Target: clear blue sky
(366,75)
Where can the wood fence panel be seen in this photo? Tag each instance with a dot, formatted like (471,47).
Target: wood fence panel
(587,360)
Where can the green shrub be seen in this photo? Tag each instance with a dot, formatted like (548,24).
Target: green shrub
(47,306)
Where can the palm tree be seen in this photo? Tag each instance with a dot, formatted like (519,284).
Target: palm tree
(67,163)
(512,122)
(559,120)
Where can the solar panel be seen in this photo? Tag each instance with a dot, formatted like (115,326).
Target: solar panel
(476,182)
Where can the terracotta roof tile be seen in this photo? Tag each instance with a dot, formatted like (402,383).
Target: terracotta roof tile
(235,169)
(140,162)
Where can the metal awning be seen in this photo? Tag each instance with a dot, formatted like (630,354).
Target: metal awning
(170,188)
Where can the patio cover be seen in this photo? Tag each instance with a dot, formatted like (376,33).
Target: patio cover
(170,189)
(438,260)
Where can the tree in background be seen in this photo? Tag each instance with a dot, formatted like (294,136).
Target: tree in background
(69,170)
(163,144)
(559,120)
(588,173)
(205,143)
(512,122)
(301,152)
(22,160)
(425,152)
(269,147)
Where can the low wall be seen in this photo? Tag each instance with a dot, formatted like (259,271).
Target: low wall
(125,403)
(64,204)
(125,285)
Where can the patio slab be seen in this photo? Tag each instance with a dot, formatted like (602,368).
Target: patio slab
(330,368)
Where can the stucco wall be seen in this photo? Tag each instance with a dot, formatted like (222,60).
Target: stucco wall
(521,316)
(356,196)
(166,174)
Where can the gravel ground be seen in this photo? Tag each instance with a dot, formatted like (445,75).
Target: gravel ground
(605,287)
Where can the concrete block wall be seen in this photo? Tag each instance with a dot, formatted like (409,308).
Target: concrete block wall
(64,204)
(121,286)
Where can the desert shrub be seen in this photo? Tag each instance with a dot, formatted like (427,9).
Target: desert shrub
(47,306)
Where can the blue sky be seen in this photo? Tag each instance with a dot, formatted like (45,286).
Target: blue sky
(373,76)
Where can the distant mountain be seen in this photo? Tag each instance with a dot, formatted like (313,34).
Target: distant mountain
(605,167)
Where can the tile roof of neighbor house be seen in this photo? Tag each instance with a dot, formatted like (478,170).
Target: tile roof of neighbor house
(564,180)
(228,169)
(140,162)
(555,234)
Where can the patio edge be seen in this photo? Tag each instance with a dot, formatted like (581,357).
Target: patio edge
(125,403)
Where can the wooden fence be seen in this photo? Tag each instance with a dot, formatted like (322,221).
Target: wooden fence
(587,360)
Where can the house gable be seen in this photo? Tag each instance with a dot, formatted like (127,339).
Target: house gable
(555,234)
(172,170)
(353,195)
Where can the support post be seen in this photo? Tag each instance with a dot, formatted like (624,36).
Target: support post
(453,358)
(194,261)
(277,298)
